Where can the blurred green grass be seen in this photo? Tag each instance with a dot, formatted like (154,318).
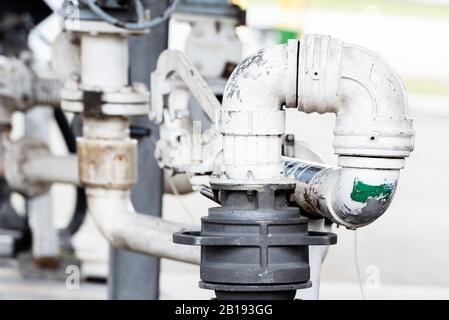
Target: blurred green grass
(398,7)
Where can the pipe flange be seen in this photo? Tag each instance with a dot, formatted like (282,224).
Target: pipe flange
(16,156)
(371,162)
(377,136)
(255,288)
(223,182)
(130,101)
(250,122)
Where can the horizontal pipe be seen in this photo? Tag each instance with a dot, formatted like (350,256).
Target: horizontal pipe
(349,196)
(50,168)
(64,169)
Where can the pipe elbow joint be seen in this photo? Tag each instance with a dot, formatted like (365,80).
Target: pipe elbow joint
(361,196)
(373,131)
(264,80)
(364,92)
(108,211)
(351,197)
(108,227)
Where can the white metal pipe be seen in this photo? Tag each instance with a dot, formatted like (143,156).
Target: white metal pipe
(107,170)
(251,119)
(4,140)
(107,159)
(104,62)
(64,169)
(366,94)
(125,229)
(349,196)
(373,132)
(40,209)
(50,168)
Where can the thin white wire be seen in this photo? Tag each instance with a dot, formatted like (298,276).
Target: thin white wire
(181,202)
(140,10)
(357,266)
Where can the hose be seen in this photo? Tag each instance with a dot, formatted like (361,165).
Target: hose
(66,130)
(79,213)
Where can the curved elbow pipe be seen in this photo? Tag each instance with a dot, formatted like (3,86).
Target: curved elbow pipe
(352,197)
(373,132)
(175,64)
(367,96)
(321,74)
(265,80)
(128,230)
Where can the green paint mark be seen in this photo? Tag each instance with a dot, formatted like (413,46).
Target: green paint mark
(361,192)
(397,7)
(285,35)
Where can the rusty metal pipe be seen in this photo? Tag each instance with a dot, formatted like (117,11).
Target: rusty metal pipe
(108,169)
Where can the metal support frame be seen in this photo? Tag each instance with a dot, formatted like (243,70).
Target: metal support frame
(133,275)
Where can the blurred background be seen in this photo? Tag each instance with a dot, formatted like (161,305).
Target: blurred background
(404,254)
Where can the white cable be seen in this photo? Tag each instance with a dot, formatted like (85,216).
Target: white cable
(140,11)
(178,197)
(357,266)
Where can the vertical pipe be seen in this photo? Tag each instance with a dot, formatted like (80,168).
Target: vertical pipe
(40,209)
(105,52)
(133,275)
